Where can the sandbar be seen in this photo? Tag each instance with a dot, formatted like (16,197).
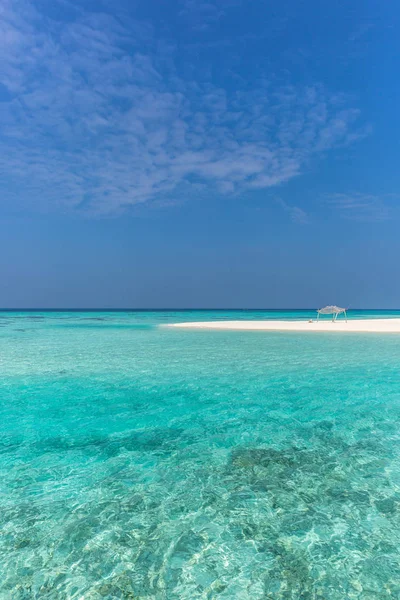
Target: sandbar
(352,325)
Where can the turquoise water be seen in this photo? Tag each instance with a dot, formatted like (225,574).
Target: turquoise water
(141,462)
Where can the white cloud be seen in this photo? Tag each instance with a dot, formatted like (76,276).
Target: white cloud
(98,119)
(363,207)
(296,214)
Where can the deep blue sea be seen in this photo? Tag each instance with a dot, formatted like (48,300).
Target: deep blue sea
(139,462)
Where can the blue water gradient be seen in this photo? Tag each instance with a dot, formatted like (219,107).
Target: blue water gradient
(141,462)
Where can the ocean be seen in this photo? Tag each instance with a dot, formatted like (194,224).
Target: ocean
(142,462)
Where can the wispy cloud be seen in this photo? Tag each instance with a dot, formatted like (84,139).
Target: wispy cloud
(97,116)
(363,207)
(296,213)
(360,31)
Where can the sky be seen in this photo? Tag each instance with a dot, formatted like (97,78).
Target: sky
(194,154)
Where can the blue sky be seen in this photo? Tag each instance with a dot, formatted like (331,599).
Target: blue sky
(199,154)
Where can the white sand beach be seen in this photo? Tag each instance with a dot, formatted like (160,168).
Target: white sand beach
(355,326)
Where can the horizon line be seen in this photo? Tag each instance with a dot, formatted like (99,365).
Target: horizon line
(80,309)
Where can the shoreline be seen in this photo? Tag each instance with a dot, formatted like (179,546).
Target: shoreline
(352,326)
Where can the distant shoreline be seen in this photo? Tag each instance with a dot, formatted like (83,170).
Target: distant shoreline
(355,326)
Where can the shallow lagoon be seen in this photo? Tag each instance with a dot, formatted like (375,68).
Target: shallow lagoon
(143,462)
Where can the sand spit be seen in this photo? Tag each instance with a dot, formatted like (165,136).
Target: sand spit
(354,326)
